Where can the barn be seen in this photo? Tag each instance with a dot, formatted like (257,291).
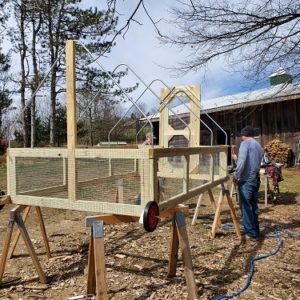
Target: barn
(274,112)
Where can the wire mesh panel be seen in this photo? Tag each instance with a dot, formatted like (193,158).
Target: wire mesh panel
(199,169)
(41,176)
(113,180)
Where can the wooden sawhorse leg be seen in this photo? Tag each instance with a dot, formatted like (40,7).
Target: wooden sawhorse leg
(212,201)
(225,192)
(15,217)
(42,227)
(196,213)
(180,238)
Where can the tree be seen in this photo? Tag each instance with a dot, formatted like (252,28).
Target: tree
(5,94)
(260,35)
(66,20)
(18,38)
(39,37)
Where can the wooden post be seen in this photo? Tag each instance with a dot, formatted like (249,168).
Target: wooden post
(266,189)
(96,268)
(173,257)
(186,173)
(120,191)
(100,271)
(186,255)
(71,118)
(154,180)
(91,281)
(65,171)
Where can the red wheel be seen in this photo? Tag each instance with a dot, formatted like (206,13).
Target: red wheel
(150,216)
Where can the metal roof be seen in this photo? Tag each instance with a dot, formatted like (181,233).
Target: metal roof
(280,92)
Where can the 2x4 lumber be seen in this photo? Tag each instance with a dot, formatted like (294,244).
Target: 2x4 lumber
(30,248)
(213,203)
(111,219)
(172,211)
(167,152)
(43,230)
(186,174)
(99,257)
(174,246)
(38,152)
(196,213)
(17,236)
(217,215)
(71,118)
(192,193)
(191,176)
(154,180)
(186,256)
(141,153)
(10,228)
(81,205)
(91,280)
(266,185)
(233,215)
(11,175)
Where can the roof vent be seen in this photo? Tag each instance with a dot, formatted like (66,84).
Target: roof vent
(280,76)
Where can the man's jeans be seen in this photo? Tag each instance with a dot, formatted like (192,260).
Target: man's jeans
(248,191)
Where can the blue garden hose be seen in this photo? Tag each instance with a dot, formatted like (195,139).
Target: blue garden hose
(277,235)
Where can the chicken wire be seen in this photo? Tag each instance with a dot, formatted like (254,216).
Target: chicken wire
(109,180)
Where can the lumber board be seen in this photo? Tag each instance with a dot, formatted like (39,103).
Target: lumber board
(71,118)
(96,153)
(81,205)
(167,152)
(180,198)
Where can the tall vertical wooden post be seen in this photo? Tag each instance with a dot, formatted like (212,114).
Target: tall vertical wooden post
(71,118)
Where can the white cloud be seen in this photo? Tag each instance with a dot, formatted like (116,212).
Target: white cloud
(143,52)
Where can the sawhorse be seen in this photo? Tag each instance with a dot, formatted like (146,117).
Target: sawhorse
(16,218)
(217,209)
(96,282)
(225,194)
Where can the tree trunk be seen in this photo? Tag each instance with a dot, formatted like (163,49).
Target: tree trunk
(23,76)
(35,82)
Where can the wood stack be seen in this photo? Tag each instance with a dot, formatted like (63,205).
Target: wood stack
(278,151)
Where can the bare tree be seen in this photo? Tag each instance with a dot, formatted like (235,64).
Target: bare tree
(259,35)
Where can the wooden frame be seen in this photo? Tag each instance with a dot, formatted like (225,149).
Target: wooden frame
(147,159)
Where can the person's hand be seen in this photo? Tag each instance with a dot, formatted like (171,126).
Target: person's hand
(234,157)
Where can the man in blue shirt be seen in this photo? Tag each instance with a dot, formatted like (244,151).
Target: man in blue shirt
(246,176)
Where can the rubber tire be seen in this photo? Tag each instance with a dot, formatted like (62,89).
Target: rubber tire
(150,216)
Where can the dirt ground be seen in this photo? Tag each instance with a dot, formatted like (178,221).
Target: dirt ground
(137,261)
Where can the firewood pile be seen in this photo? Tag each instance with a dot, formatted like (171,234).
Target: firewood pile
(278,151)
